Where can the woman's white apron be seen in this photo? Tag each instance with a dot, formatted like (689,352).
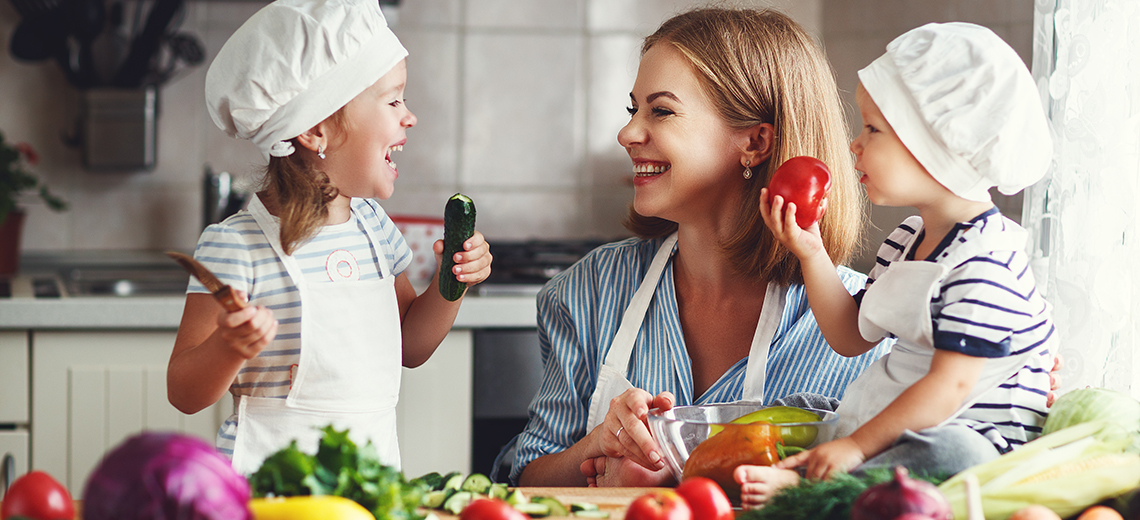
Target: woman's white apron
(898,302)
(612,379)
(349,370)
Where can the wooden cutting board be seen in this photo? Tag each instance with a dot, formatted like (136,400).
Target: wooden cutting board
(614,500)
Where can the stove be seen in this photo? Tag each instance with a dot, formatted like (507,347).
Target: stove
(523,267)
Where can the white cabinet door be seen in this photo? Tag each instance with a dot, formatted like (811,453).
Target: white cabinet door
(93,389)
(14,377)
(434,414)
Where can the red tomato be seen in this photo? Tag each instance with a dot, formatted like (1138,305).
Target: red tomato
(804,181)
(491,509)
(705,497)
(37,496)
(659,505)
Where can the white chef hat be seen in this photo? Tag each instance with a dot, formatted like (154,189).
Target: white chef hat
(293,64)
(964,104)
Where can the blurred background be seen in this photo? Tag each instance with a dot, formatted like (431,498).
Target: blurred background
(519,104)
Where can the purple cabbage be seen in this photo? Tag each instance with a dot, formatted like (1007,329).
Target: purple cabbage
(165,476)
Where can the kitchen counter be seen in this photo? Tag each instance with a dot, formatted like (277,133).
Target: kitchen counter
(164,312)
(23,310)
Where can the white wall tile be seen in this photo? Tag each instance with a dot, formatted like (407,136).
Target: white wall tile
(523,106)
(528,14)
(430,157)
(429,13)
(527,214)
(613,61)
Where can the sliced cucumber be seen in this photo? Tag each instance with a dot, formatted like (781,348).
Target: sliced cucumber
(516,497)
(458,226)
(556,507)
(457,501)
(476,483)
(533,509)
(452,481)
(592,513)
(582,506)
(434,499)
(432,481)
(498,490)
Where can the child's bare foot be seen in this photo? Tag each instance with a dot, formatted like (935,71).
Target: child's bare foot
(758,484)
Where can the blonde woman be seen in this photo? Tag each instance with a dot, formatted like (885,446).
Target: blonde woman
(705,306)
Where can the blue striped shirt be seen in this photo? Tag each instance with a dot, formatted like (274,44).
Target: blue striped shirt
(988,306)
(578,315)
(239,253)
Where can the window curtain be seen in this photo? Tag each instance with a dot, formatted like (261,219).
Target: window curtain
(1083,216)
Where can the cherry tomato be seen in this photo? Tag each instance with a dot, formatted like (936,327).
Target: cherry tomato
(804,181)
(39,497)
(706,499)
(490,509)
(659,505)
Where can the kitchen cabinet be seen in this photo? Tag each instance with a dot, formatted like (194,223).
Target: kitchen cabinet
(93,389)
(14,373)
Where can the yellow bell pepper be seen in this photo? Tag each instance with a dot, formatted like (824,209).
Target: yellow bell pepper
(325,507)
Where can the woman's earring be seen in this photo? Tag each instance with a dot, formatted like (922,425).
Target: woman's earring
(321,151)
(747,170)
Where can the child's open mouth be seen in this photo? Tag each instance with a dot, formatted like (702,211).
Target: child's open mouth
(388,156)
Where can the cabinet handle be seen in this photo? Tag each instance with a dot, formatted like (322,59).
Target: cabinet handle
(8,468)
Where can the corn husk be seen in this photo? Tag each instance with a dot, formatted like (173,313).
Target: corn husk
(1066,471)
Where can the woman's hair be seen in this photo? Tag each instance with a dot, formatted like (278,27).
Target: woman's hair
(760,66)
(300,192)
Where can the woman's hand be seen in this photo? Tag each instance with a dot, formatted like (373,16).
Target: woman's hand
(247,331)
(625,431)
(473,264)
(781,220)
(623,472)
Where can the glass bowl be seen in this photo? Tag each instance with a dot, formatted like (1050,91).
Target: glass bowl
(682,428)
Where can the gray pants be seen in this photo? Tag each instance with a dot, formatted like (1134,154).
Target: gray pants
(941,450)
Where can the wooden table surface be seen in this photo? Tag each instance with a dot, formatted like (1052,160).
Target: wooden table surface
(614,500)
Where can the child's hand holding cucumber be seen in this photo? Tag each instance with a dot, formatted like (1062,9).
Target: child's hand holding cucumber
(466,258)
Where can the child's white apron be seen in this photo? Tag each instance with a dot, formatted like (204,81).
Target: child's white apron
(349,369)
(898,302)
(612,380)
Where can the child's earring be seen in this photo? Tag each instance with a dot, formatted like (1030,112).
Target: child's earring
(321,151)
(747,170)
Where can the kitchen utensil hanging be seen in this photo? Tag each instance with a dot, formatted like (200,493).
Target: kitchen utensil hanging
(134,70)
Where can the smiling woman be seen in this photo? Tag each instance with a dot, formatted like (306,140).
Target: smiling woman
(705,306)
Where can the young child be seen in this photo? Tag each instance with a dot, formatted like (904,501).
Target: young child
(318,86)
(948,112)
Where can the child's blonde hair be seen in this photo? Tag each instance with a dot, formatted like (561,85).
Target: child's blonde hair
(760,66)
(300,192)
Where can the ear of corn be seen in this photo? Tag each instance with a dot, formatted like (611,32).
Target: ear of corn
(1066,471)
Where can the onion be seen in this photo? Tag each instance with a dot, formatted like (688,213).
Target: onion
(901,498)
(165,476)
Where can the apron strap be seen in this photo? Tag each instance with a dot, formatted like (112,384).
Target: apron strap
(756,374)
(622,346)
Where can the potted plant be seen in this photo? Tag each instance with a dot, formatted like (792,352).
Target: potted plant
(14,180)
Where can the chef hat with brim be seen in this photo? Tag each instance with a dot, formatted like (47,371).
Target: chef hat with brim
(966,107)
(293,64)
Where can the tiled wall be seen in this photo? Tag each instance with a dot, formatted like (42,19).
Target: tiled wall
(856,32)
(519,103)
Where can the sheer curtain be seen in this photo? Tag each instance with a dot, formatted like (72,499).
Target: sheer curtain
(1083,216)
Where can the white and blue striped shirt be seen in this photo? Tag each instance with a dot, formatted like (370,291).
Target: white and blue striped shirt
(239,253)
(988,306)
(578,315)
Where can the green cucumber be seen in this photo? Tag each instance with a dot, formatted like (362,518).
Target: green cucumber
(458,226)
(592,513)
(533,509)
(452,481)
(476,483)
(432,481)
(498,490)
(576,507)
(516,497)
(435,499)
(556,507)
(457,501)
